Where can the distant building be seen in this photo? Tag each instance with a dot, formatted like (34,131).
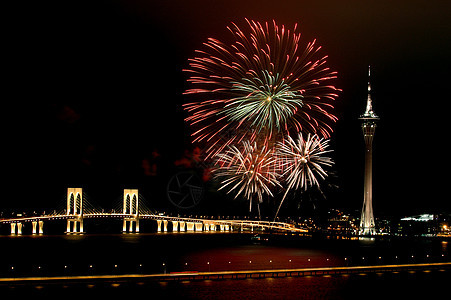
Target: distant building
(340,223)
(419,218)
(419,225)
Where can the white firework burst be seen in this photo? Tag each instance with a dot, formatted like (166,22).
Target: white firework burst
(303,162)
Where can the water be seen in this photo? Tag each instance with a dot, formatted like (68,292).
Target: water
(176,252)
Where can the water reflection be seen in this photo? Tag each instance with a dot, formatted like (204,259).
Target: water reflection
(67,255)
(444,246)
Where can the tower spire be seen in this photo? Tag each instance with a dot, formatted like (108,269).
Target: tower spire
(369,113)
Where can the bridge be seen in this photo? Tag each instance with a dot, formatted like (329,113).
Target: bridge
(133,210)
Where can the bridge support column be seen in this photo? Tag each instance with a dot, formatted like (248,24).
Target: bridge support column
(212,227)
(130,222)
(34,225)
(199,226)
(221,227)
(13,228)
(175,225)
(19,228)
(189,226)
(182,226)
(41,227)
(77,226)
(136,223)
(165,225)
(226,227)
(206,227)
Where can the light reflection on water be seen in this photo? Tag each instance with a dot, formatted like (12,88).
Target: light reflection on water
(403,285)
(444,246)
(158,253)
(257,257)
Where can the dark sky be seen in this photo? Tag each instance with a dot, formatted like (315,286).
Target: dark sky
(93,92)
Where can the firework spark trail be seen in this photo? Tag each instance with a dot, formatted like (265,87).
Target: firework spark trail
(266,84)
(251,171)
(302,161)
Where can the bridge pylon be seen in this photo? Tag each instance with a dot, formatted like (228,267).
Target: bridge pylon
(131,208)
(38,227)
(74,210)
(17,226)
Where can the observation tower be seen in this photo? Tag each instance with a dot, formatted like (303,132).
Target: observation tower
(369,120)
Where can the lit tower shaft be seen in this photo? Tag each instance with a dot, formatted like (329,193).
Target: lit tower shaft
(369,119)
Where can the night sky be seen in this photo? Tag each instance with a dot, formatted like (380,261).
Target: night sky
(93,91)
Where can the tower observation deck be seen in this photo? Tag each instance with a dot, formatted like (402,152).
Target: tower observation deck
(368,120)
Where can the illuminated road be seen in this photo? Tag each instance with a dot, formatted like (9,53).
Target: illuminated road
(184,276)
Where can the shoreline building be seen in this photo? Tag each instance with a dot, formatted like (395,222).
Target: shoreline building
(368,119)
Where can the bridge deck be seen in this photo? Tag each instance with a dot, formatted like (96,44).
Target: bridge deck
(231,222)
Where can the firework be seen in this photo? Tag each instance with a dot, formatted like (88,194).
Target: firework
(250,171)
(265,84)
(303,161)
